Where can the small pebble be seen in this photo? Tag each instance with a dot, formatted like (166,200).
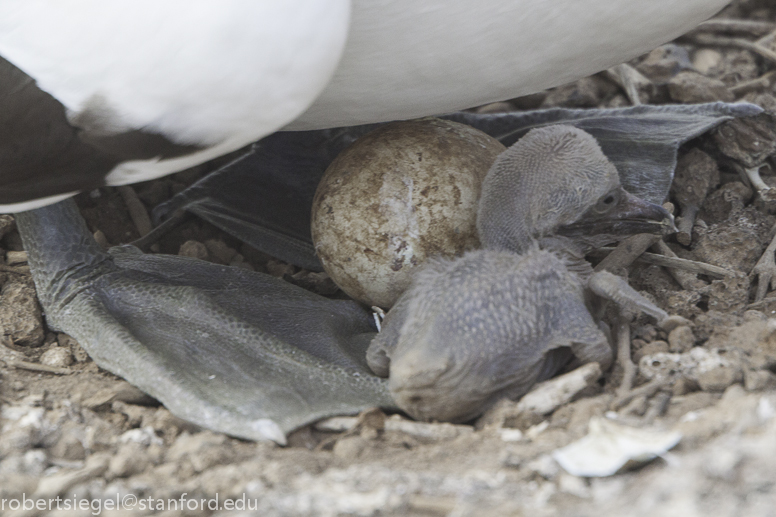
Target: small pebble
(143,436)
(654,347)
(69,446)
(683,386)
(101,239)
(57,356)
(752,315)
(349,447)
(219,251)
(749,141)
(691,88)
(719,379)
(756,380)
(706,59)
(120,391)
(201,450)
(664,62)
(510,435)
(20,316)
(130,459)
(279,269)
(681,339)
(194,249)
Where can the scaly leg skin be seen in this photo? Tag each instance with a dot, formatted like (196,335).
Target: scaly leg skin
(615,288)
(231,350)
(766,192)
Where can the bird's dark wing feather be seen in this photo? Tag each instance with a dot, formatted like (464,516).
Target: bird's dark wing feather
(43,153)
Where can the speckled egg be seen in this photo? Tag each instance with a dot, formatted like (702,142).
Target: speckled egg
(400,194)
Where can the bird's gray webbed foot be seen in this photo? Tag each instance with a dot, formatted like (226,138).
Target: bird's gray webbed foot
(231,350)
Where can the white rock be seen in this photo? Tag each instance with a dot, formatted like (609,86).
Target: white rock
(57,356)
(144,436)
(510,435)
(609,446)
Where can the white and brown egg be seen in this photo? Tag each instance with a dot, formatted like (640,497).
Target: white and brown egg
(399,195)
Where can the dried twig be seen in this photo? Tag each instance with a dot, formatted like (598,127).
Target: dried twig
(767,40)
(437,431)
(751,27)
(687,279)
(547,396)
(628,78)
(761,83)
(646,390)
(624,355)
(721,41)
(137,210)
(35,367)
(627,251)
(145,242)
(673,262)
(657,407)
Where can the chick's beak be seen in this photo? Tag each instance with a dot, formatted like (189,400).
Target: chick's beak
(631,215)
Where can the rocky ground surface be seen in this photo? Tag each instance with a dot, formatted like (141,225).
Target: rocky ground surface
(71,430)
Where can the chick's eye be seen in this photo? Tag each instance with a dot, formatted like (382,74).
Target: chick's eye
(607,202)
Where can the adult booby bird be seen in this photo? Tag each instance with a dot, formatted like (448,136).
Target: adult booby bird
(116,92)
(155,87)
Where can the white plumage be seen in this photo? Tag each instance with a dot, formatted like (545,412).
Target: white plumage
(223,74)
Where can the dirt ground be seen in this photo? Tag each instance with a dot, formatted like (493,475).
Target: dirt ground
(76,435)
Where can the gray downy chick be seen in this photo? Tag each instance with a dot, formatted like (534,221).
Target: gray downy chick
(492,323)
